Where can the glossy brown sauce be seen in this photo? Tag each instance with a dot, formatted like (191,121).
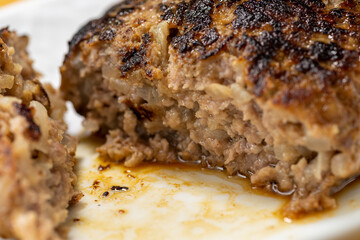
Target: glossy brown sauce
(102,166)
(241,181)
(147,200)
(246,186)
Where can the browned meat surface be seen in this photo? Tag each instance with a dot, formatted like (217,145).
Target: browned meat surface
(36,155)
(265,88)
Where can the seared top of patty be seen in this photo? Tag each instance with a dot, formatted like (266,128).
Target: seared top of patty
(297,56)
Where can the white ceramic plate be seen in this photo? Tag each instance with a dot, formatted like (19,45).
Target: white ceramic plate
(162,202)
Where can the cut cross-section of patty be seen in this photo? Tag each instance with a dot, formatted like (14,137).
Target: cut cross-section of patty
(266,88)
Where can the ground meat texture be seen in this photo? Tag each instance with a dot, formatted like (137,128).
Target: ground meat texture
(264,88)
(36,155)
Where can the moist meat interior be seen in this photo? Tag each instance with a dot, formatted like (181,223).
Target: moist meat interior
(265,88)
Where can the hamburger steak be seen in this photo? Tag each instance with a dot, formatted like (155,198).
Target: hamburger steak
(268,89)
(36,156)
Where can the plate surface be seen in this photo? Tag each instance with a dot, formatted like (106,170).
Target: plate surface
(159,201)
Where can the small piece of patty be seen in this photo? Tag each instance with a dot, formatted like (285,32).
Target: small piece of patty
(36,155)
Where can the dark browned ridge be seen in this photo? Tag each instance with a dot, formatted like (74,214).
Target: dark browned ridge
(265,88)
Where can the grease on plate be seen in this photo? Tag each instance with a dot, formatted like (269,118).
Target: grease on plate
(172,201)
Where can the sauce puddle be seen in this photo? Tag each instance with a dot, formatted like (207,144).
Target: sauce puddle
(172,201)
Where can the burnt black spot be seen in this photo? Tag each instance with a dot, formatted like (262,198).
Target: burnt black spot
(119,188)
(261,51)
(163,7)
(175,14)
(247,19)
(107,34)
(325,52)
(306,65)
(33,130)
(314,3)
(185,42)
(313,20)
(108,28)
(209,53)
(180,11)
(136,56)
(198,14)
(210,37)
(168,14)
(194,17)
(338,12)
(254,13)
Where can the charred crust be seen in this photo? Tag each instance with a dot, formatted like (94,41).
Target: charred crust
(174,14)
(167,12)
(260,51)
(341,57)
(33,130)
(246,19)
(195,18)
(105,27)
(124,8)
(198,14)
(210,36)
(185,42)
(135,57)
(252,14)
(211,52)
(325,52)
(306,65)
(84,33)
(107,34)
(264,32)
